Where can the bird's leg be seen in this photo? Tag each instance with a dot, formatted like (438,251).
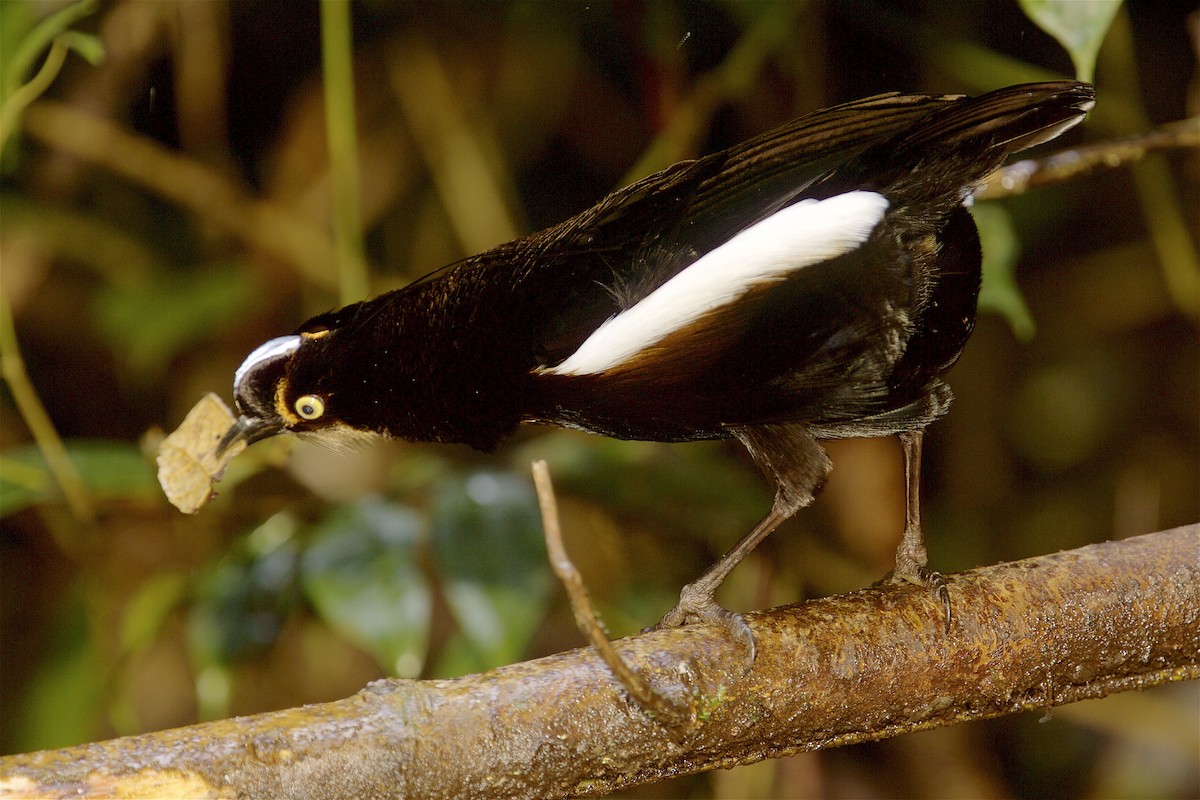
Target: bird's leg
(697,602)
(911,556)
(792,459)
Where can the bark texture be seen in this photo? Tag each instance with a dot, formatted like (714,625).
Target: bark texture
(868,665)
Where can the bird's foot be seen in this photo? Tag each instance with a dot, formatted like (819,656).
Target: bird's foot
(910,570)
(696,605)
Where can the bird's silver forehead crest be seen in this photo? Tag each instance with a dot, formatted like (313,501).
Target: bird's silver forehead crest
(268,350)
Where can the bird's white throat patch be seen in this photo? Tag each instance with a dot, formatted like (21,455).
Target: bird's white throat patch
(800,235)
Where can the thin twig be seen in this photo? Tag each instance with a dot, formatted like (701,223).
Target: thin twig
(342,131)
(12,365)
(28,92)
(1168,229)
(211,195)
(12,368)
(40,38)
(1166,226)
(1021,176)
(767,33)
(665,709)
(474,188)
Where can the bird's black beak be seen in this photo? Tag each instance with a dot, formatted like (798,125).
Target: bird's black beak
(248,430)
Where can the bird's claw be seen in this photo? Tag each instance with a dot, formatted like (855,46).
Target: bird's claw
(700,607)
(923,576)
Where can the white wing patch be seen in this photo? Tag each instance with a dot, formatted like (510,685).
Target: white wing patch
(803,234)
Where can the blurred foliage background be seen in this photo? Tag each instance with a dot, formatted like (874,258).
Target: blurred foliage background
(170,206)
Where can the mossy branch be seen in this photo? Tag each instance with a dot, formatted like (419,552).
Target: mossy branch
(1027,635)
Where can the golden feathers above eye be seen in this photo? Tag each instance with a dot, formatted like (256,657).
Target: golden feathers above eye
(310,407)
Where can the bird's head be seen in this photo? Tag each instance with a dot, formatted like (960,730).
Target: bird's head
(272,397)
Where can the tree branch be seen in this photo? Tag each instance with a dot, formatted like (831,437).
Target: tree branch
(1064,165)
(868,665)
(670,712)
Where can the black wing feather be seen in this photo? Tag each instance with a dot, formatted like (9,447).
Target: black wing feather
(828,346)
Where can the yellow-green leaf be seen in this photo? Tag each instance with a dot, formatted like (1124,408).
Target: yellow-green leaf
(1078,25)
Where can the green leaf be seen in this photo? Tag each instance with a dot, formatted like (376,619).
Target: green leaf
(25,44)
(1078,25)
(148,325)
(110,470)
(491,556)
(24,481)
(361,573)
(145,613)
(16,19)
(242,601)
(89,47)
(999,293)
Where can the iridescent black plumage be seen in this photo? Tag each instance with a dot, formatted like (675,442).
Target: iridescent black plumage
(852,346)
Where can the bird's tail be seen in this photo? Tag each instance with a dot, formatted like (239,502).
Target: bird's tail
(960,143)
(1003,122)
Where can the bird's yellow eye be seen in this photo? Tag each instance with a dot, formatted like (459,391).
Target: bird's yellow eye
(310,407)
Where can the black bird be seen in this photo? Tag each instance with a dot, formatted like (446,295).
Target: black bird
(813,282)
